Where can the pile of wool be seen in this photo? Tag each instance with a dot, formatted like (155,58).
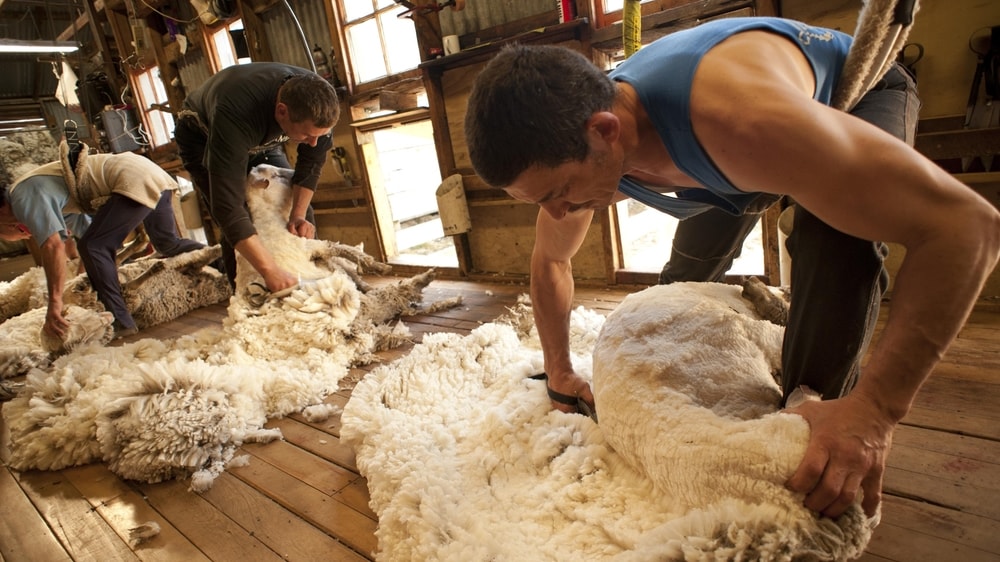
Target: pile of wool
(23,293)
(155,410)
(24,346)
(466,460)
(156,290)
(24,151)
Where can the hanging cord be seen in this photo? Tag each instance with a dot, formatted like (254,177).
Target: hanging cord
(631,27)
(302,35)
(172,18)
(883,26)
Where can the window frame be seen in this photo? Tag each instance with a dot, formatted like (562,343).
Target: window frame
(350,62)
(147,109)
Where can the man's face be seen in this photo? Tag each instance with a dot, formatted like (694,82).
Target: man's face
(570,187)
(302,131)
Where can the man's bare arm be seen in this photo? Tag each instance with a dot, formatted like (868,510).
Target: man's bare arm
(261,259)
(297,223)
(552,290)
(54,265)
(767,134)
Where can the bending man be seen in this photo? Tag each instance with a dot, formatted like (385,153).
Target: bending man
(239,118)
(733,114)
(120,191)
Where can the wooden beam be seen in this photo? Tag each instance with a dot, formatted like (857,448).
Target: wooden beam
(959,144)
(687,15)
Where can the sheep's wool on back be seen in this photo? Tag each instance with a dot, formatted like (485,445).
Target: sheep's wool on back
(466,460)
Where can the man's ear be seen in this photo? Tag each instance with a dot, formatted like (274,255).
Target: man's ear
(280,111)
(605,124)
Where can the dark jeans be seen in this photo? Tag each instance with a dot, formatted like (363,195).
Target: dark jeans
(191,142)
(112,223)
(837,280)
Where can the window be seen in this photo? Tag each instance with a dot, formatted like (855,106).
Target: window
(230,45)
(647,236)
(607,12)
(405,166)
(379,43)
(153,96)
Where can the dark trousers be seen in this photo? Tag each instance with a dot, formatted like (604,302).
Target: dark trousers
(112,223)
(191,143)
(837,280)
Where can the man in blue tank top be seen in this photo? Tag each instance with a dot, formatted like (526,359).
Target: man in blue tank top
(724,119)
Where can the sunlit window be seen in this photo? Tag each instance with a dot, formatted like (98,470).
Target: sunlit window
(647,236)
(230,45)
(616,5)
(608,12)
(380,44)
(153,97)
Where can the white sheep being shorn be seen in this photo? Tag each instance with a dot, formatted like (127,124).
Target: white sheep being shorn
(466,459)
(155,410)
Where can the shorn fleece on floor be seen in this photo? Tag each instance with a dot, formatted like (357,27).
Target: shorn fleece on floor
(466,460)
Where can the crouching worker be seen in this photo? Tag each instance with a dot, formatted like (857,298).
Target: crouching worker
(116,192)
(242,117)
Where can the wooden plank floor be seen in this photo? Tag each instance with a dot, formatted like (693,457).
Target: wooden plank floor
(302,498)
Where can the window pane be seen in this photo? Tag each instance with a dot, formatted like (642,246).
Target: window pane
(152,91)
(401,41)
(384,3)
(647,236)
(224,46)
(615,5)
(366,51)
(407,160)
(355,9)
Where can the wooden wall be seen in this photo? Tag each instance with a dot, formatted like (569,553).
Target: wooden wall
(945,72)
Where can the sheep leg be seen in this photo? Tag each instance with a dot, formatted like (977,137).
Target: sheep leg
(364,262)
(351,270)
(153,269)
(769,306)
(134,248)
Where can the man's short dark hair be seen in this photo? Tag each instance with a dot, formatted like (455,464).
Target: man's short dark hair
(529,106)
(311,98)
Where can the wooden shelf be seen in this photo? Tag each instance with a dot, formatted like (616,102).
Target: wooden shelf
(478,53)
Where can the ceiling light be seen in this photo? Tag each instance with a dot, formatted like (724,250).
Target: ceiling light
(28,46)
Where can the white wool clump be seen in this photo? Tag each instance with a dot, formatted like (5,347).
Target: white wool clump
(155,291)
(24,346)
(466,459)
(25,292)
(320,412)
(142,533)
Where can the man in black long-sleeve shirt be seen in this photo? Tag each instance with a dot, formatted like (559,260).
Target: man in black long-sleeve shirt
(239,118)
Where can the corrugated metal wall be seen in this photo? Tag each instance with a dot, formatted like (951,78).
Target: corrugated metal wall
(482,14)
(284,38)
(23,75)
(193,70)
(59,112)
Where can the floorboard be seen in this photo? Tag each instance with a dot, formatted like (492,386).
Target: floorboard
(301,498)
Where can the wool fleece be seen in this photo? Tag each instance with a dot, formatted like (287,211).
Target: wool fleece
(466,459)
